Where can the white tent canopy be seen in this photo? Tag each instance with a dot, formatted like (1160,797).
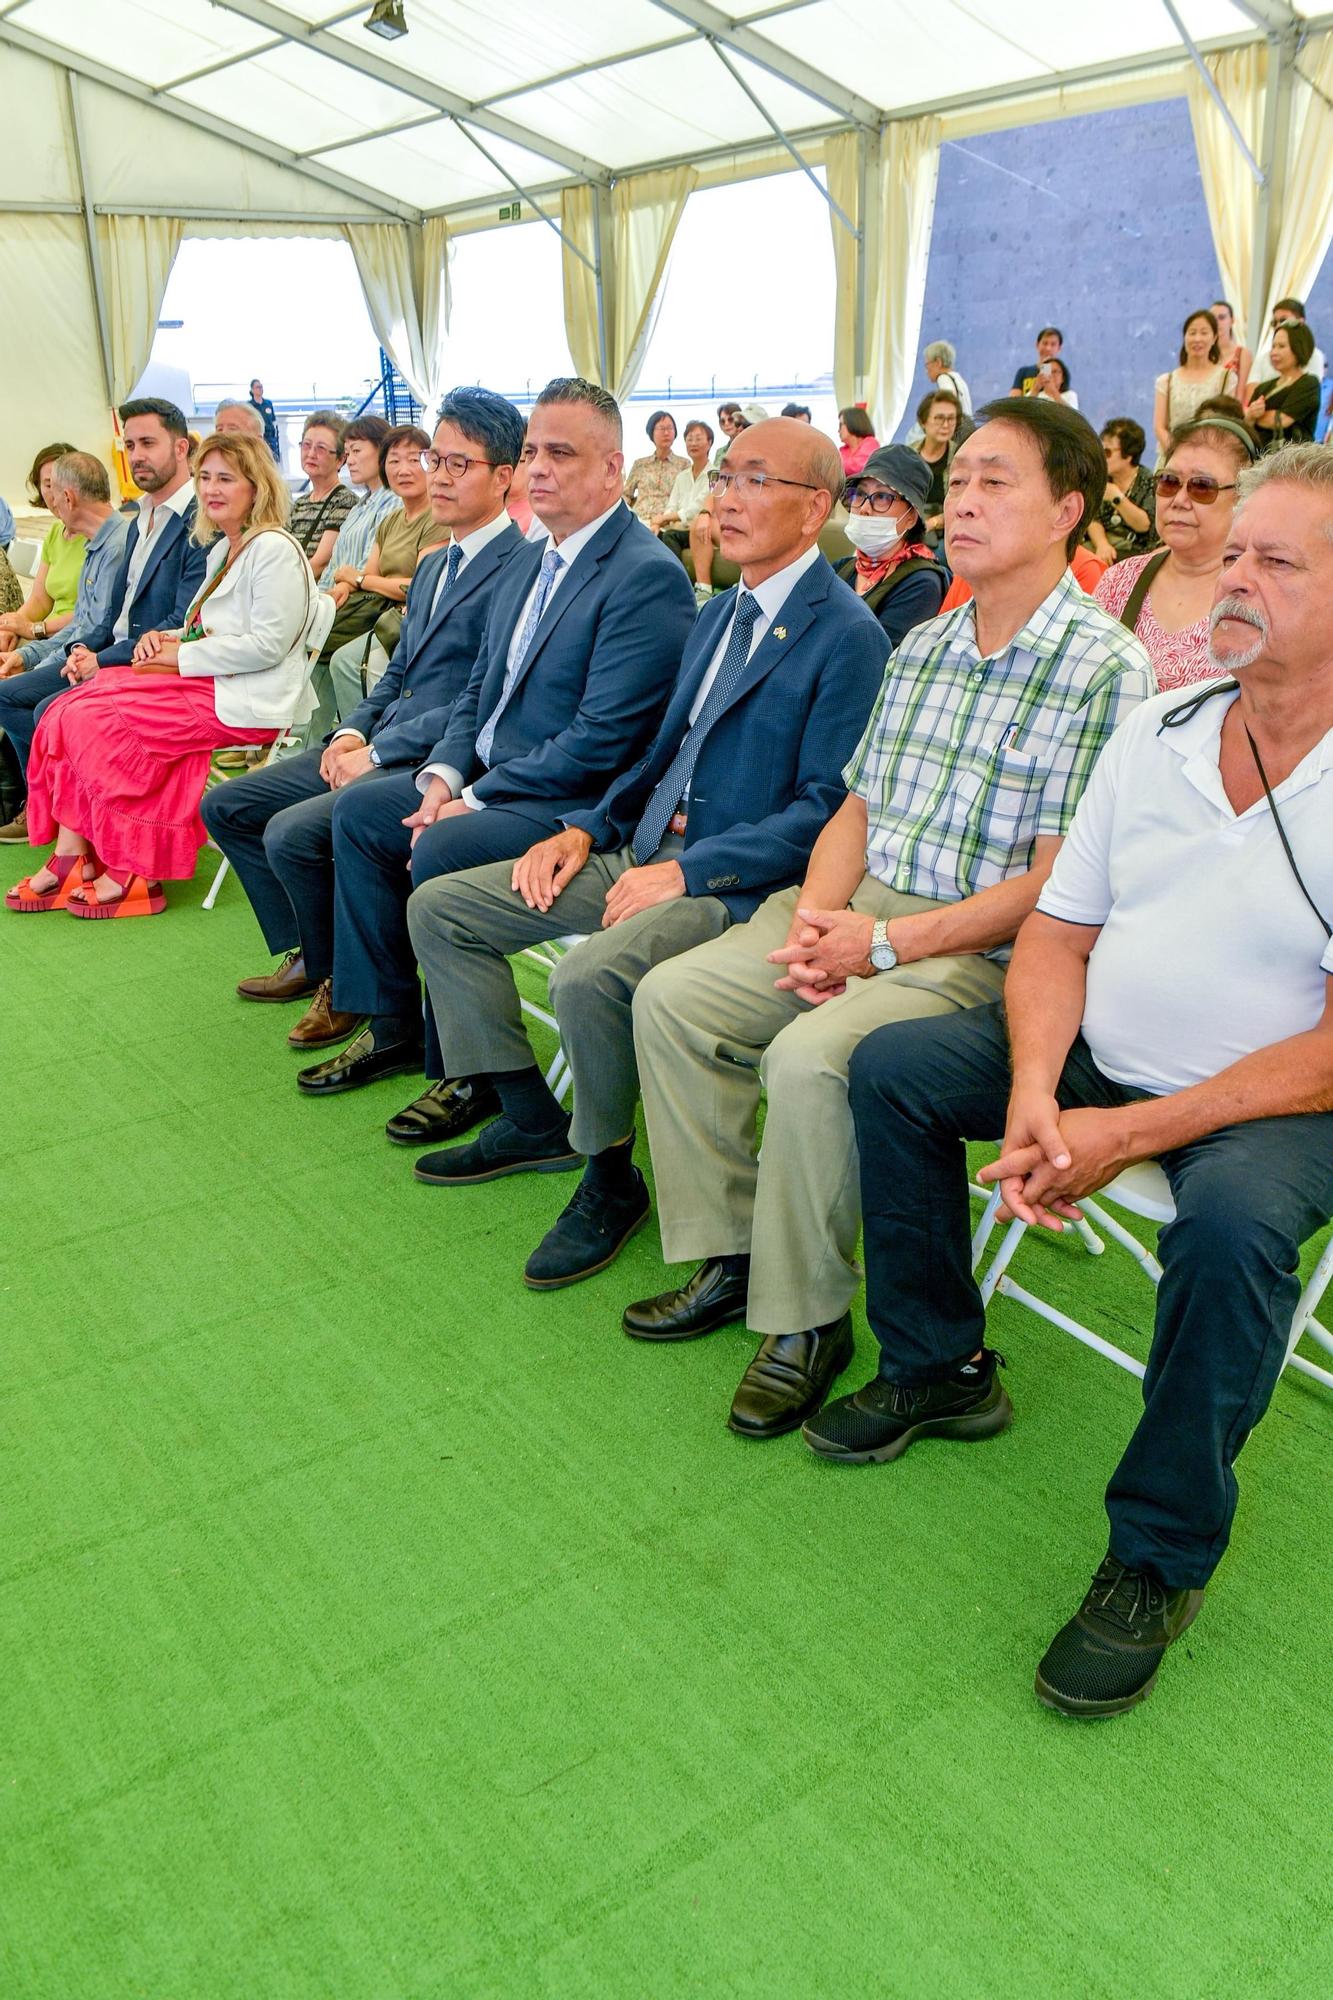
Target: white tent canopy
(133,122)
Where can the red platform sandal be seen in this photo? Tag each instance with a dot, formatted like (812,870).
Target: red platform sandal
(66,868)
(138,898)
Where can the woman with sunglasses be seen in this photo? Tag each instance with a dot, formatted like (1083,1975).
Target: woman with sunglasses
(893,571)
(1165,597)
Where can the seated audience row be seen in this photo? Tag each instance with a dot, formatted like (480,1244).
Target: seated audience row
(795,860)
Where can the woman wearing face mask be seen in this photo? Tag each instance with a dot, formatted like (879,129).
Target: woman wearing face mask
(1164,598)
(893,570)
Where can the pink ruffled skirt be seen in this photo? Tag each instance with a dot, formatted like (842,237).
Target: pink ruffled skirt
(123,760)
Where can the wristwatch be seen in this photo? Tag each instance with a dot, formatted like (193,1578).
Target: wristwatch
(882,954)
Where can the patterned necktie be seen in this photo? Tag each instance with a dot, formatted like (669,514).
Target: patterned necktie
(673,785)
(451,566)
(550,569)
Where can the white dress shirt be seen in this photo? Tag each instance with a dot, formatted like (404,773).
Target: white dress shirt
(688,495)
(152,519)
(770,596)
(469,545)
(569,549)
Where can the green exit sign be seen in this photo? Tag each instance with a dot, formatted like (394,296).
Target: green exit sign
(514,212)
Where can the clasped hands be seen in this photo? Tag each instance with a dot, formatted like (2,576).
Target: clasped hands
(157,653)
(546,869)
(1051,1158)
(824,949)
(347,757)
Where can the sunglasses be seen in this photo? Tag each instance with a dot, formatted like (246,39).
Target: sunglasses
(1201,486)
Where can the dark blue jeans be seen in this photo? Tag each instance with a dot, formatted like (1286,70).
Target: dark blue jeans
(1246,1198)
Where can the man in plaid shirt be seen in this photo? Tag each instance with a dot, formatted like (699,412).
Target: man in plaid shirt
(985,733)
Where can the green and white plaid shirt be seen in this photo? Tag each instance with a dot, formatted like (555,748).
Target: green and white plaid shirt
(966,760)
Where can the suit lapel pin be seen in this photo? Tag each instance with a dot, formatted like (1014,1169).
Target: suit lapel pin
(779,631)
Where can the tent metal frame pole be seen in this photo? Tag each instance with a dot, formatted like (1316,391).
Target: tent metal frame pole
(1210,85)
(603,349)
(90,234)
(862,242)
(782,138)
(528,196)
(1282,48)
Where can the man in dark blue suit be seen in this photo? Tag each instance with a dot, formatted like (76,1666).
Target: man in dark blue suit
(581,649)
(276,825)
(725,807)
(161,568)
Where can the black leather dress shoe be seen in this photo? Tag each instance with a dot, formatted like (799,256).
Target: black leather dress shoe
(709,1299)
(445,1111)
(500,1148)
(589,1235)
(789,1379)
(358,1064)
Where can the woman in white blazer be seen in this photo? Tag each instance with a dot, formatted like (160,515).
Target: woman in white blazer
(119,765)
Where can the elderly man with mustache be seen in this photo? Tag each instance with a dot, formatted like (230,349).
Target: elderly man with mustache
(1170,998)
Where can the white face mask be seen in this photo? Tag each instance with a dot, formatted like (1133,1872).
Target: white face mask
(873,534)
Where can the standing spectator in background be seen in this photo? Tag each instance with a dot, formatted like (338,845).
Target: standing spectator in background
(1200,375)
(649,481)
(801,412)
(1124,524)
(1051,384)
(939,415)
(689,492)
(1284,408)
(893,571)
(1165,597)
(1287,312)
(856,438)
(1234,356)
(320,512)
(1032,377)
(268,417)
(940,356)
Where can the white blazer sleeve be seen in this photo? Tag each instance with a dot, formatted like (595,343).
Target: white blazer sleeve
(257,617)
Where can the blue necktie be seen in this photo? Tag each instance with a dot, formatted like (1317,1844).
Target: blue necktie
(673,785)
(451,567)
(551,562)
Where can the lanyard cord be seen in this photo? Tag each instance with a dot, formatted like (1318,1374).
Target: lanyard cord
(1282,831)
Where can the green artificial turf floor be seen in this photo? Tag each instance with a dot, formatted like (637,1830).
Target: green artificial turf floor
(373,1627)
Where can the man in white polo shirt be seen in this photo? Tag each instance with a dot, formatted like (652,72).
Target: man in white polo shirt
(1168,999)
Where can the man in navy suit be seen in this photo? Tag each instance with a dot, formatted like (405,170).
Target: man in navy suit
(161,568)
(745,771)
(276,825)
(580,652)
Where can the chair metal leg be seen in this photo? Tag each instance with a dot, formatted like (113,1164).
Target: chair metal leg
(211,898)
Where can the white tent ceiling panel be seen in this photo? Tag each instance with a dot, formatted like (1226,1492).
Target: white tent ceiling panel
(679,101)
(153,40)
(485,48)
(436,165)
(39,162)
(300,98)
(897,55)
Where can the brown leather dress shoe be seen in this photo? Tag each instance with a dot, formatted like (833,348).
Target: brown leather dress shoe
(321,1022)
(289,982)
(14,833)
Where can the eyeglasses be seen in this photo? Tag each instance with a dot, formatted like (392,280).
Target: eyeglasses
(455,463)
(1200,486)
(319,450)
(882,501)
(751,482)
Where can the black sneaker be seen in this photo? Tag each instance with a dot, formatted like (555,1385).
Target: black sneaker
(879,1421)
(1106,1658)
(590,1234)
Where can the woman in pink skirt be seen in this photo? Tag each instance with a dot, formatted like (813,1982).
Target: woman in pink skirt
(119,765)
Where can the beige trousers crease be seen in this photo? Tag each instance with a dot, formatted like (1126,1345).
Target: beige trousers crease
(712,1034)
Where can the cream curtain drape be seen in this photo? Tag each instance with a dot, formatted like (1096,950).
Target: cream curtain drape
(1229,188)
(638,228)
(1306,228)
(138,252)
(909,166)
(842,176)
(404,273)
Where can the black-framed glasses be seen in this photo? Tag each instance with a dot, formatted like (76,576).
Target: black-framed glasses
(742,483)
(882,500)
(1201,486)
(456,463)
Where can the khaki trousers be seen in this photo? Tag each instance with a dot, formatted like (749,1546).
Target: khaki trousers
(465,926)
(711,1033)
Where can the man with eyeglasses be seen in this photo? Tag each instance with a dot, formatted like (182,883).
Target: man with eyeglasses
(987,727)
(275,825)
(576,662)
(774,688)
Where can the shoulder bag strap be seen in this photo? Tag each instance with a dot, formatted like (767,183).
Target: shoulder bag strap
(1143,583)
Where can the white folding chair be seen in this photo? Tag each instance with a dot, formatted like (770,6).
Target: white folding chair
(1141,1190)
(24,555)
(559,1076)
(289,738)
